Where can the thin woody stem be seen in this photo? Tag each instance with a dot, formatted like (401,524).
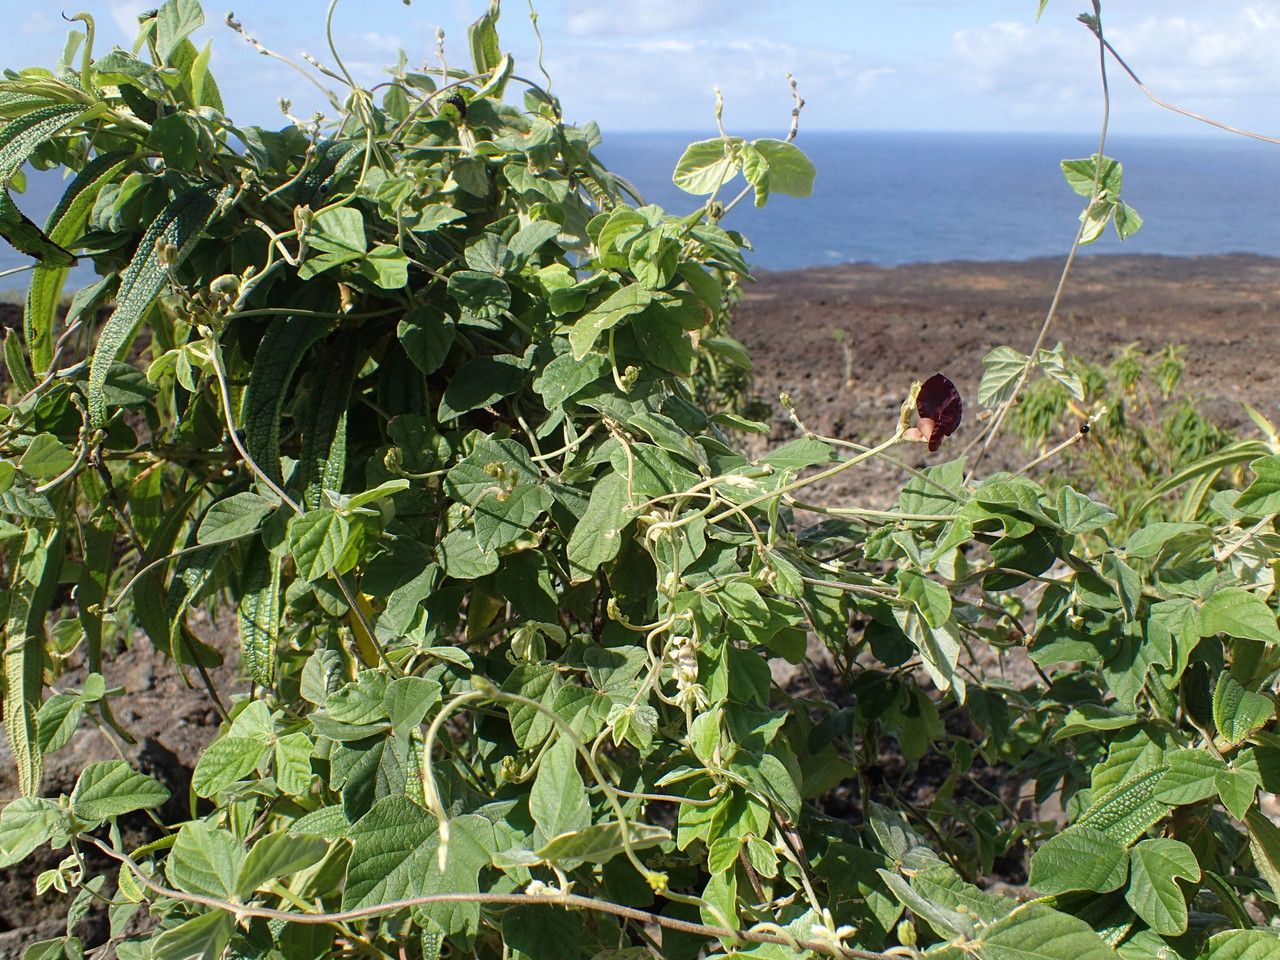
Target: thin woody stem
(1183,111)
(998,420)
(566,900)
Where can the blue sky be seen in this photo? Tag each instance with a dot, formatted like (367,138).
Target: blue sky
(974,65)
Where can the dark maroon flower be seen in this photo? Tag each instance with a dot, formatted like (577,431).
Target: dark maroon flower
(939,408)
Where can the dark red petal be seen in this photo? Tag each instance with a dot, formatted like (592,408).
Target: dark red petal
(939,400)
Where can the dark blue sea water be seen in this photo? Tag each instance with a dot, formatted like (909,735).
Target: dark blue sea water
(893,198)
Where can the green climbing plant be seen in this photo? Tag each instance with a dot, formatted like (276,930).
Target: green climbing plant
(411,395)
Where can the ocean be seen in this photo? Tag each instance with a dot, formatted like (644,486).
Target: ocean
(896,198)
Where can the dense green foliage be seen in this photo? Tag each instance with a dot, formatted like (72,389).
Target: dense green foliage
(1139,426)
(413,391)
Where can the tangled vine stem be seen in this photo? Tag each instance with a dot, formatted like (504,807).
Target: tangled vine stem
(791,135)
(828,947)
(1032,360)
(1183,111)
(816,478)
(492,693)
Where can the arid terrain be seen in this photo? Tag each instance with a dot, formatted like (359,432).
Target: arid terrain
(845,343)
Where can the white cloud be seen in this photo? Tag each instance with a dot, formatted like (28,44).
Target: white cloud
(594,18)
(36,23)
(667,83)
(1209,59)
(372,40)
(125,13)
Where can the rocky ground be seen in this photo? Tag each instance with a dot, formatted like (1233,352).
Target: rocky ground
(846,342)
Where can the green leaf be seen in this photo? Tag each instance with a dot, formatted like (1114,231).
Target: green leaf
(203,937)
(534,931)
(1262,496)
(800,453)
(58,718)
(942,885)
(176,21)
(488,254)
(1079,858)
(1127,220)
(1242,945)
(234,517)
(111,788)
(939,649)
(558,800)
(387,266)
(653,259)
(279,355)
(224,762)
(482,37)
(1001,369)
(293,763)
(1192,777)
(427,334)
(205,860)
(26,824)
(944,921)
(461,557)
(258,613)
(598,536)
(482,296)
(395,856)
(480,383)
(276,855)
(565,376)
(790,171)
(1035,932)
(383,491)
(1153,890)
(177,141)
(1090,716)
(1238,613)
(601,842)
(931,599)
(609,313)
(35,569)
(756,170)
(1078,514)
(408,700)
(1081,175)
(338,237)
(500,518)
(16,363)
(25,237)
(1238,787)
(530,238)
(317,539)
(705,166)
(1055,365)
(1238,712)
(45,457)
(1264,844)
